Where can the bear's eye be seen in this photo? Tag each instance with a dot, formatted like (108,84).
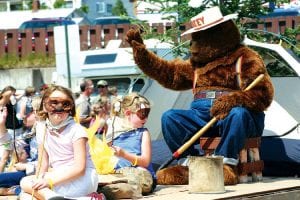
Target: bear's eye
(191,43)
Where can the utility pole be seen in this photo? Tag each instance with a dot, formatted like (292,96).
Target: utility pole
(68,56)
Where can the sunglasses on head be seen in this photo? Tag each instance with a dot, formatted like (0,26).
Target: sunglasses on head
(58,105)
(143,113)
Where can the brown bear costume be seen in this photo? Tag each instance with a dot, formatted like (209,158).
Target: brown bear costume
(215,50)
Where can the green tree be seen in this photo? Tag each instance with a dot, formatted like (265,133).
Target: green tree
(245,8)
(59,4)
(119,9)
(84,8)
(248,11)
(182,13)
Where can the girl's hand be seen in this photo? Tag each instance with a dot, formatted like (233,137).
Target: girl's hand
(40,183)
(118,151)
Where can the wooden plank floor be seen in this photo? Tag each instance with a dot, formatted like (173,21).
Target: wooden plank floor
(265,188)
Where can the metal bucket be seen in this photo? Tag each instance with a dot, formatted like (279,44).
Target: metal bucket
(206,174)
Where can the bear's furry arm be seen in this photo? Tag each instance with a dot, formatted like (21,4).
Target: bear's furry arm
(175,74)
(258,98)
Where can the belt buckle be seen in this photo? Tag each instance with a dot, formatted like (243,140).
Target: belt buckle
(211,94)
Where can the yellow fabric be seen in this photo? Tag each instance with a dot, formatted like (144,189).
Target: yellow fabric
(102,155)
(76,117)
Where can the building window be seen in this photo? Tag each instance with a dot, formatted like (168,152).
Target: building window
(100,7)
(109,8)
(268,26)
(282,25)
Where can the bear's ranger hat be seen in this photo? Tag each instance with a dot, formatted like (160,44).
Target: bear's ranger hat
(207,19)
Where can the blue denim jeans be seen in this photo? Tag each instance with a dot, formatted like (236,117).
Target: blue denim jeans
(9,179)
(178,126)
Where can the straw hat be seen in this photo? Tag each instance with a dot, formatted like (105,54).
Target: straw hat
(207,19)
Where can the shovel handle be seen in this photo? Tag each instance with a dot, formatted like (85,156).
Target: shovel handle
(193,139)
(254,83)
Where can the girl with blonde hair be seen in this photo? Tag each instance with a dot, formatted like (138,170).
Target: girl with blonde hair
(131,141)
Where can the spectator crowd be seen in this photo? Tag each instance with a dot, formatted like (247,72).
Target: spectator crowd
(44,152)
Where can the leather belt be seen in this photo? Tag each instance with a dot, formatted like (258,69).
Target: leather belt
(209,94)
